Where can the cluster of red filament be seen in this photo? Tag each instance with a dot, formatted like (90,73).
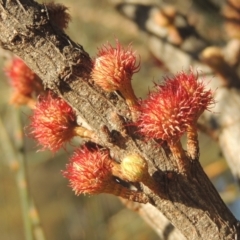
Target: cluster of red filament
(174,106)
(52,122)
(114,67)
(89,171)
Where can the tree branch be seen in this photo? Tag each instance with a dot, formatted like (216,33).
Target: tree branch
(190,201)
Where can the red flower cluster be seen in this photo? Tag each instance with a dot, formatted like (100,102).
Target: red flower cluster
(168,112)
(89,171)
(52,122)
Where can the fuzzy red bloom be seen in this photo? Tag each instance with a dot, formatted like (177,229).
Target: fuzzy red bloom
(22,78)
(200,98)
(52,122)
(89,171)
(163,114)
(114,67)
(172,108)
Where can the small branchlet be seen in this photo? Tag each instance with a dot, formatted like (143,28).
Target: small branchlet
(166,19)
(220,62)
(231,16)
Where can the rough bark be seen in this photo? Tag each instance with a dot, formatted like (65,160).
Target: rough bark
(190,201)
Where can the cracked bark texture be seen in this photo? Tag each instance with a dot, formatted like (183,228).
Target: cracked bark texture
(191,202)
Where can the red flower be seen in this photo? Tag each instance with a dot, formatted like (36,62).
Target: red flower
(22,78)
(168,112)
(200,98)
(163,114)
(52,123)
(89,171)
(113,70)
(114,67)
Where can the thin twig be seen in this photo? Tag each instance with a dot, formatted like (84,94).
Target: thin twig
(16,161)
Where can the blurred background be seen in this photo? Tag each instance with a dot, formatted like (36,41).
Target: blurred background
(60,214)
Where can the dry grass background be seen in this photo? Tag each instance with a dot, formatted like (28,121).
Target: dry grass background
(64,216)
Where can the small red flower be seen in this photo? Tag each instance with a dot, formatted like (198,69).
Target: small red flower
(52,123)
(168,112)
(89,171)
(200,98)
(113,70)
(163,114)
(114,67)
(22,78)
